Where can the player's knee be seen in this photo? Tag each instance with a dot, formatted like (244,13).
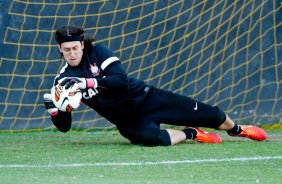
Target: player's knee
(155,138)
(219,117)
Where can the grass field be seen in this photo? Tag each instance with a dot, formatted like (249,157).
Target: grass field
(106,157)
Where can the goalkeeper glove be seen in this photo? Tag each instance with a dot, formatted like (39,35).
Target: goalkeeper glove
(49,105)
(78,83)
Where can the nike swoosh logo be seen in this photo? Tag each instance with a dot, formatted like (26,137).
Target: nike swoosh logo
(196,106)
(66,98)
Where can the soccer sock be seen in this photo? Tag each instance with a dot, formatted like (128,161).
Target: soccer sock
(190,133)
(235,130)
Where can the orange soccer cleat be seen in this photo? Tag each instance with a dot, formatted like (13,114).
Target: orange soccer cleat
(252,132)
(207,137)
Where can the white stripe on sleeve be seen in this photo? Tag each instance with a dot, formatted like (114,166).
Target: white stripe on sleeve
(108,61)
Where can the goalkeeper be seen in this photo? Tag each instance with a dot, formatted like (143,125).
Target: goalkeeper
(137,109)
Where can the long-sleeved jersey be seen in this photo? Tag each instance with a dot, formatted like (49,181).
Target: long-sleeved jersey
(117,94)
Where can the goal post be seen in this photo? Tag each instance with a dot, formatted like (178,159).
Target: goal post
(224,53)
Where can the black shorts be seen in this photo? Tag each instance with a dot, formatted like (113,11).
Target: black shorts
(173,109)
(164,107)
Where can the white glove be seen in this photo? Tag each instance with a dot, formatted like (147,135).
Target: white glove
(49,105)
(78,83)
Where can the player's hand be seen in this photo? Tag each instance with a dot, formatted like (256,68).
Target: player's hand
(49,105)
(78,83)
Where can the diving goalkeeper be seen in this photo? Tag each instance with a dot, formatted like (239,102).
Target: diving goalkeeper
(137,109)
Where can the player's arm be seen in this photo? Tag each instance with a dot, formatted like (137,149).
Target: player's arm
(62,120)
(115,77)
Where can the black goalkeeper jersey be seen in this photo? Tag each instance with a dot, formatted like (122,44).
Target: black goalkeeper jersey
(117,94)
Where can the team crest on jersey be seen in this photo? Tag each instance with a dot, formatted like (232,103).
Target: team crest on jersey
(95,70)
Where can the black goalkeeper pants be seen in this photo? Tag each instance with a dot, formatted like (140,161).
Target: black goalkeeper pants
(164,107)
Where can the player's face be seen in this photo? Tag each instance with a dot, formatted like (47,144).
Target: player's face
(72,52)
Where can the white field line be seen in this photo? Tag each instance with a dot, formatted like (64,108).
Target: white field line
(172,162)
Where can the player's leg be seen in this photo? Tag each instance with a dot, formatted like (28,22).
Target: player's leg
(142,130)
(252,132)
(176,136)
(146,131)
(193,133)
(170,108)
(217,119)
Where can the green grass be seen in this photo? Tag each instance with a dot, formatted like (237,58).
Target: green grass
(41,152)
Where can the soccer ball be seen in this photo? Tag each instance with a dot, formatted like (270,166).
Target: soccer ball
(65,99)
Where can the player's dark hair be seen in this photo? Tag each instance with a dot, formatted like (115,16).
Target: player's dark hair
(73,33)
(69,33)
(88,42)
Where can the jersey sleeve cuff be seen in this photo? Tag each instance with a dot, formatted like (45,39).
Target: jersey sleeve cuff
(91,83)
(54,113)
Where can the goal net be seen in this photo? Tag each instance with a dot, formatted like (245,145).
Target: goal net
(225,53)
